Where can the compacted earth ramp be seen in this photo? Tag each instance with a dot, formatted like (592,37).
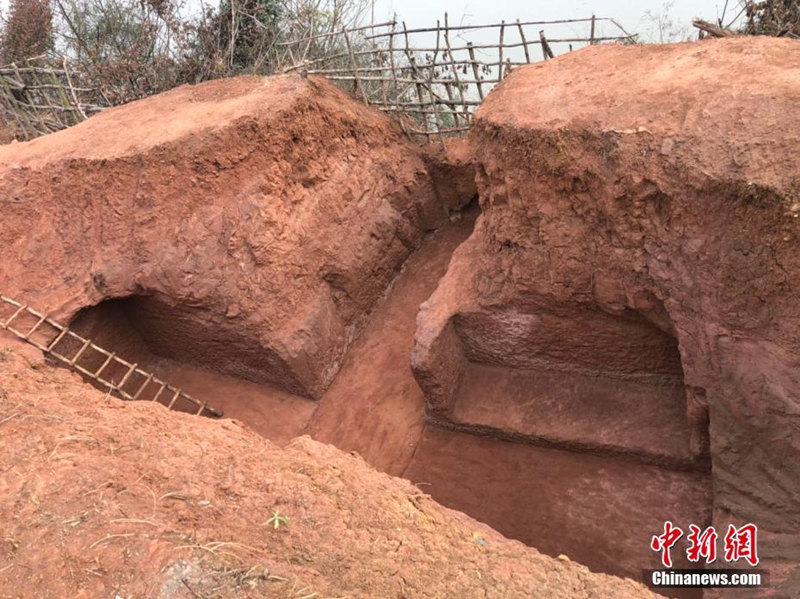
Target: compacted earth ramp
(573,326)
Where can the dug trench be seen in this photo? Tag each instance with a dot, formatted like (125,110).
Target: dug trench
(584,461)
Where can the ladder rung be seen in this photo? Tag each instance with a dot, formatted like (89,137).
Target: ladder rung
(106,363)
(36,326)
(58,338)
(174,399)
(86,344)
(160,391)
(14,315)
(144,385)
(125,378)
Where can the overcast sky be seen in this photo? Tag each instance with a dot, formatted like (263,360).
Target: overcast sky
(631,14)
(635,16)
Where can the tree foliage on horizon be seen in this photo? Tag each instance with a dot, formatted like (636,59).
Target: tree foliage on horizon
(134,48)
(27,31)
(773,17)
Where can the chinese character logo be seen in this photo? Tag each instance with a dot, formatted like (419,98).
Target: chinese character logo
(702,544)
(664,542)
(740,543)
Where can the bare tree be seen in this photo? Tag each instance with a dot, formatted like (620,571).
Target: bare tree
(663,27)
(772,17)
(28,30)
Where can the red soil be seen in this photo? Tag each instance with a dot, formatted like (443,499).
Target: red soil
(108,499)
(649,184)
(262,217)
(261,243)
(375,406)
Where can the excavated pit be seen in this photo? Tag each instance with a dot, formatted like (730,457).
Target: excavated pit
(568,422)
(557,413)
(644,200)
(563,364)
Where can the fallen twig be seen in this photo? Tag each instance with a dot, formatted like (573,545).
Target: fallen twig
(109,537)
(711,29)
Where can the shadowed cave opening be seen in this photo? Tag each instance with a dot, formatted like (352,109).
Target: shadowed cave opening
(212,360)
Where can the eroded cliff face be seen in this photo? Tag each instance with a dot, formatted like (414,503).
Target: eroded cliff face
(631,286)
(251,222)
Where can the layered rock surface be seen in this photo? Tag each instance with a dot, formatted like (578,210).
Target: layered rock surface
(253,222)
(632,284)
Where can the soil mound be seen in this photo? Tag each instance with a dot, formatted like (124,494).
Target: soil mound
(631,287)
(99,500)
(248,224)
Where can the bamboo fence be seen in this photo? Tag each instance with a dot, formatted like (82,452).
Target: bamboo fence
(44,95)
(433,78)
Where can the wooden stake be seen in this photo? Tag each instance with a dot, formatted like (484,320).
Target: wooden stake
(548,53)
(500,50)
(359,87)
(475,69)
(394,79)
(454,68)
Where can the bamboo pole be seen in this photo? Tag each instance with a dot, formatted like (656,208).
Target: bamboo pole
(418,84)
(475,70)
(379,61)
(524,42)
(461,48)
(430,70)
(454,68)
(359,86)
(335,33)
(394,77)
(496,25)
(500,49)
(546,51)
(72,89)
(65,102)
(447,64)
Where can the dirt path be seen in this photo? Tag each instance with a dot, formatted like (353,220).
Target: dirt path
(375,406)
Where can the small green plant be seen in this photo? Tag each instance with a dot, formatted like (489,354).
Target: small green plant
(277,519)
